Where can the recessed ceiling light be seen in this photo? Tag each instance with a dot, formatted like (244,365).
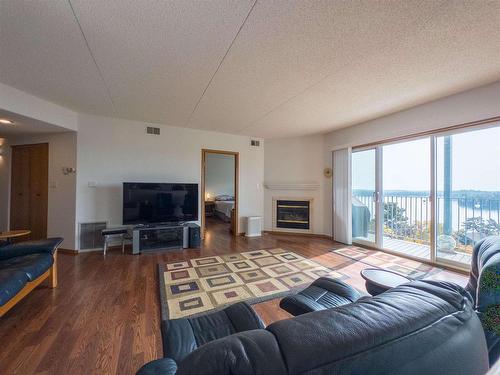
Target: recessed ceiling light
(5,121)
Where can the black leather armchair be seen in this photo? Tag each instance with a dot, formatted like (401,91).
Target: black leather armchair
(424,327)
(484,286)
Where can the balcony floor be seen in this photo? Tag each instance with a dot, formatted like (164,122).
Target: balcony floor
(419,250)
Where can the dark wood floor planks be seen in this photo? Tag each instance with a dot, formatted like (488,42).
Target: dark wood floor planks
(104,317)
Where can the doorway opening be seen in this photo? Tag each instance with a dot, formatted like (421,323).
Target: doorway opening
(219,191)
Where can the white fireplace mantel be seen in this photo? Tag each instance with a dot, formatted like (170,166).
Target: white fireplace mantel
(292,185)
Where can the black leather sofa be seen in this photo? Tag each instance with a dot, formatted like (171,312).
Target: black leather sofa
(484,287)
(424,327)
(25,265)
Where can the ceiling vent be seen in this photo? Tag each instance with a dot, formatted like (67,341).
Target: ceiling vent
(153,130)
(254,143)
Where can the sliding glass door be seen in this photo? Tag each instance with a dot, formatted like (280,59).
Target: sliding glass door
(468,192)
(428,198)
(406,192)
(364,196)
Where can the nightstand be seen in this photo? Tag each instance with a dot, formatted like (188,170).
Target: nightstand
(209,208)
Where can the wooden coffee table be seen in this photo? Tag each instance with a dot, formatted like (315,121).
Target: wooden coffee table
(378,280)
(7,236)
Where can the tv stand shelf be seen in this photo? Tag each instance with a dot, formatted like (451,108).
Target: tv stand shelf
(149,238)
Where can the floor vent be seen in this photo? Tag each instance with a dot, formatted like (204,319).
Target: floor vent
(90,235)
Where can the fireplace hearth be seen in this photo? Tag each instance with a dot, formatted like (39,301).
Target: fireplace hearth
(293,214)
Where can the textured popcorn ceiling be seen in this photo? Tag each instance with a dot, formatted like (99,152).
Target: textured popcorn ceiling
(270,68)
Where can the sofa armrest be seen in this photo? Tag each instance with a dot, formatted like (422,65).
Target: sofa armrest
(49,245)
(165,366)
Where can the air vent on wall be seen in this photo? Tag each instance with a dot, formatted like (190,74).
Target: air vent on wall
(153,130)
(254,143)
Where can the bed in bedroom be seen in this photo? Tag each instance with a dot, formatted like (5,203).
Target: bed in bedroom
(223,207)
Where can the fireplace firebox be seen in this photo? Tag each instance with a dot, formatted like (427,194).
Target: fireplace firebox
(293,214)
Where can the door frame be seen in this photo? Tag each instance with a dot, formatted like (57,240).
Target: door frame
(236,155)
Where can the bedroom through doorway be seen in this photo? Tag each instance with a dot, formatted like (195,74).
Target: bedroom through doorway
(219,190)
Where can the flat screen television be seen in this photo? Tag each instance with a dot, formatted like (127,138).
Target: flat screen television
(153,203)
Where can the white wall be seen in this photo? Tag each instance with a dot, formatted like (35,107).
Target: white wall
(294,161)
(18,101)
(477,104)
(111,151)
(62,188)
(219,174)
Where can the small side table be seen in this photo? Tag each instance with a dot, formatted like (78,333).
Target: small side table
(378,281)
(209,208)
(6,237)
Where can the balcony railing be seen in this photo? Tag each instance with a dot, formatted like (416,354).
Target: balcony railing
(408,218)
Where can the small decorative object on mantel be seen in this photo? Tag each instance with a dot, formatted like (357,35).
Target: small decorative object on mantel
(328,172)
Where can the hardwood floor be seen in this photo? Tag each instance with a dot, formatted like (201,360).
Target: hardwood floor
(104,316)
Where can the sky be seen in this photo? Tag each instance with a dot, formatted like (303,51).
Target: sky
(406,166)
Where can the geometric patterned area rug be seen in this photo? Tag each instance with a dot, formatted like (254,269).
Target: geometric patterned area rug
(195,286)
(407,267)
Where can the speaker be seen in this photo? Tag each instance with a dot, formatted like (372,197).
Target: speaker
(194,235)
(185,237)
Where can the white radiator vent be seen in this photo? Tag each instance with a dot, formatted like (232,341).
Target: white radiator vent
(254,143)
(153,130)
(90,235)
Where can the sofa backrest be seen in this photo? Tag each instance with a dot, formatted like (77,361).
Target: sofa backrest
(423,327)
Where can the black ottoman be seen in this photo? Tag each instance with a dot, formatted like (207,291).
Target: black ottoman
(324,293)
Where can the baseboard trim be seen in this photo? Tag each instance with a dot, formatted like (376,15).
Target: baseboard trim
(317,235)
(68,251)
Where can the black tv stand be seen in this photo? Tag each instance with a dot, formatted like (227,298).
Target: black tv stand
(159,237)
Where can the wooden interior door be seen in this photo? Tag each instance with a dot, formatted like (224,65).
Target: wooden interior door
(29,189)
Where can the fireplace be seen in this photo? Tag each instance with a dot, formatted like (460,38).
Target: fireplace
(292,215)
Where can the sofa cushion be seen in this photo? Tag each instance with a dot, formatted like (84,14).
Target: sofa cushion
(33,265)
(323,293)
(165,366)
(11,282)
(18,249)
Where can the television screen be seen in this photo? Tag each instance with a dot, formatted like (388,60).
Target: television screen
(147,203)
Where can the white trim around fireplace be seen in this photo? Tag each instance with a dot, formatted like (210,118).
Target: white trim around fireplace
(294,230)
